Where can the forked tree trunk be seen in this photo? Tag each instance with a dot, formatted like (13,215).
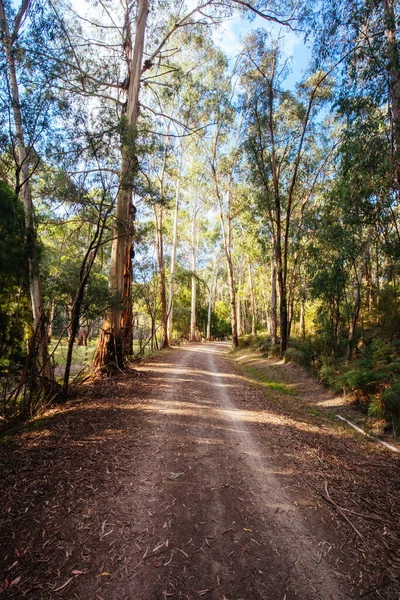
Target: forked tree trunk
(116,335)
(24,192)
(159,218)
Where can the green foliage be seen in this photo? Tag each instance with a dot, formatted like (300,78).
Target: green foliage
(373,379)
(13,279)
(387,405)
(293,355)
(259,343)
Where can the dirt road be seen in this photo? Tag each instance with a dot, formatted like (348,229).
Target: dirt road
(184,483)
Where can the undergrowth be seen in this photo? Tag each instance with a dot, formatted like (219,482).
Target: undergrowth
(372,377)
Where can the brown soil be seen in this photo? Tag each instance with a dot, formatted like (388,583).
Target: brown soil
(192,482)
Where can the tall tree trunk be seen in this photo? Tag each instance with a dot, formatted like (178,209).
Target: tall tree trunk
(193,324)
(116,335)
(173,255)
(232,293)
(227,236)
(267,321)
(357,296)
(274,319)
(302,319)
(393,70)
(51,319)
(290,317)
(24,192)
(239,304)
(159,217)
(210,297)
(226,227)
(283,309)
(253,303)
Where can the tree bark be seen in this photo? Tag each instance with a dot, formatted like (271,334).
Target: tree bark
(231,284)
(116,335)
(173,255)
(239,307)
(274,319)
(227,235)
(253,303)
(302,319)
(159,217)
(393,70)
(210,297)
(357,296)
(192,337)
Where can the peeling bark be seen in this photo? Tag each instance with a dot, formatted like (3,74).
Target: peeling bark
(116,335)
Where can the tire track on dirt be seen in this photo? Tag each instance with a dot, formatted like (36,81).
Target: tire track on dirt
(233,530)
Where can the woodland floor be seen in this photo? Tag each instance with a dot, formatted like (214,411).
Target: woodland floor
(193,481)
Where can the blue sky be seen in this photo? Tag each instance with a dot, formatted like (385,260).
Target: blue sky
(231,32)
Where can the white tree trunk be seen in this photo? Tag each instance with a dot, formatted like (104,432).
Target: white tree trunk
(173,254)
(253,302)
(194,281)
(211,294)
(116,335)
(273,304)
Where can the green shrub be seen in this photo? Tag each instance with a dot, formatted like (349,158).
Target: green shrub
(263,343)
(294,355)
(328,375)
(274,351)
(387,405)
(246,341)
(361,380)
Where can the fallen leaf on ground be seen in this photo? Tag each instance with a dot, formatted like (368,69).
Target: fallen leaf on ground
(204,592)
(175,475)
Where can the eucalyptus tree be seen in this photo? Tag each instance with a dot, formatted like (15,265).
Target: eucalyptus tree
(179,106)
(138,32)
(28,104)
(223,156)
(362,36)
(287,155)
(363,197)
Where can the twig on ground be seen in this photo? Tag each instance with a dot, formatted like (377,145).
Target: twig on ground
(330,501)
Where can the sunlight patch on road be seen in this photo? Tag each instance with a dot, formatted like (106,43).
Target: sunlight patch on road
(205,411)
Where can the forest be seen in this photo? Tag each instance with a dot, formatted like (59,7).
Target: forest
(155,190)
(199,299)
